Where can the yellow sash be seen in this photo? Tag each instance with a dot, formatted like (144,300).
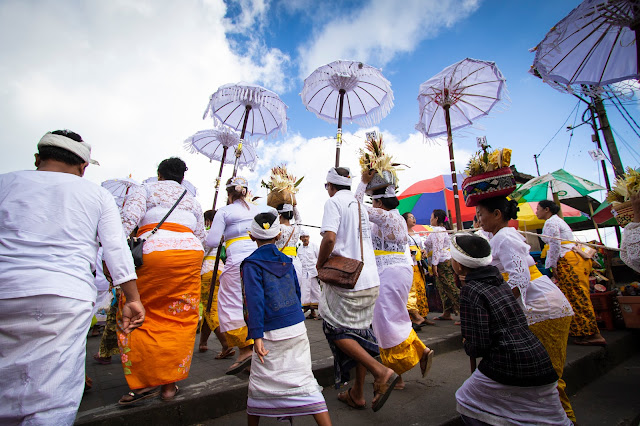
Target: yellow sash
(289,251)
(545,249)
(385,253)
(209,258)
(533,271)
(233,240)
(418,252)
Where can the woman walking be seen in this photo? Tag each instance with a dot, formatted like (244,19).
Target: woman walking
(159,353)
(418,306)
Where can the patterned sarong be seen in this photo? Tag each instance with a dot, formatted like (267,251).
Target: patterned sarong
(573,279)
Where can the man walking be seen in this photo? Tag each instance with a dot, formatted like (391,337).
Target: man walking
(309,284)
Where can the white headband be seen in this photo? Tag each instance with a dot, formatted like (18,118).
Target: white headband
(389,192)
(81,149)
(304,233)
(334,178)
(460,256)
(286,208)
(265,231)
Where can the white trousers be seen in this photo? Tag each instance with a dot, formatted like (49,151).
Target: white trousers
(42,358)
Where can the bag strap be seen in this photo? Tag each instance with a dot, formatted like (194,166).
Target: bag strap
(167,215)
(288,239)
(360,230)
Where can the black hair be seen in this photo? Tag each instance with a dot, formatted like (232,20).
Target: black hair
(475,218)
(286,215)
(341,171)
(547,204)
(209,214)
(508,208)
(389,202)
(263,218)
(406,215)
(60,154)
(474,245)
(172,168)
(440,216)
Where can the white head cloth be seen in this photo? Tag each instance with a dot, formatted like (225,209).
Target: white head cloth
(81,149)
(266,231)
(286,208)
(304,233)
(389,192)
(334,178)
(463,258)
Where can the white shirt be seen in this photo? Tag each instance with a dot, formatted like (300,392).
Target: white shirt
(50,224)
(290,233)
(308,256)
(558,228)
(438,243)
(341,217)
(233,221)
(540,299)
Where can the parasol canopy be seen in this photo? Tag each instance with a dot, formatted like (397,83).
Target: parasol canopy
(185,183)
(527,219)
(213,143)
(347,90)
(119,188)
(594,45)
(562,183)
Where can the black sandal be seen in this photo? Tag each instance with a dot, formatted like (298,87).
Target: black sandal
(241,365)
(139,396)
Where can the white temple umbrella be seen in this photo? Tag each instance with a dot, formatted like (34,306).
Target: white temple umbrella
(185,183)
(347,90)
(455,98)
(213,144)
(247,108)
(119,188)
(594,45)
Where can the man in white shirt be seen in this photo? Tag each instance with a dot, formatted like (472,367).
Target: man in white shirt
(50,223)
(309,284)
(348,314)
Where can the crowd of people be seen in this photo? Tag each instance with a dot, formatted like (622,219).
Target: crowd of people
(255,274)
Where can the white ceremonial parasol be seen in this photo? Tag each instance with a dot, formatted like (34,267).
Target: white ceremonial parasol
(185,183)
(119,188)
(213,144)
(247,108)
(454,99)
(347,90)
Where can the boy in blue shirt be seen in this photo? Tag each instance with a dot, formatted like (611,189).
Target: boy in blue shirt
(281,383)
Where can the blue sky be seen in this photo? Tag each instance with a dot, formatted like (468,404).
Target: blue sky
(134,77)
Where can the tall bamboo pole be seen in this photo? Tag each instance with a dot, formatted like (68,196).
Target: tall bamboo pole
(339,134)
(224,157)
(454,179)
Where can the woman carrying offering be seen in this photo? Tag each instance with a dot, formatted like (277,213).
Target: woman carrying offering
(233,222)
(418,306)
(571,272)
(290,236)
(159,353)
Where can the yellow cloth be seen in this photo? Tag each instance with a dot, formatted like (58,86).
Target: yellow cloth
(545,249)
(403,357)
(233,240)
(418,294)
(238,337)
(289,251)
(160,351)
(533,271)
(205,285)
(573,279)
(385,253)
(418,254)
(553,335)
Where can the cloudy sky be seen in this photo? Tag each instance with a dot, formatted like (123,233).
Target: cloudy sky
(134,77)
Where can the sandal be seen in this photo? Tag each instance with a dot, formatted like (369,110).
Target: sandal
(227,353)
(425,364)
(583,342)
(239,366)
(441,318)
(135,397)
(384,390)
(346,398)
(169,398)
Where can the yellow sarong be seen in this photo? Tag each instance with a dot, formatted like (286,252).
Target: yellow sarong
(238,337)
(403,357)
(211,317)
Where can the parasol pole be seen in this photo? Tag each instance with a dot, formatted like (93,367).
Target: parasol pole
(594,221)
(454,179)
(556,200)
(339,134)
(239,147)
(224,156)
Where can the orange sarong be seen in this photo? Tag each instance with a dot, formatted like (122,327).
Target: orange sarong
(160,351)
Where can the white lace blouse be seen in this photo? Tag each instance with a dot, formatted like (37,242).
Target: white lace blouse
(388,233)
(150,202)
(418,241)
(558,228)
(630,246)
(438,243)
(288,230)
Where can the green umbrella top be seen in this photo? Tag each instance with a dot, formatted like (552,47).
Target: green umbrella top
(561,182)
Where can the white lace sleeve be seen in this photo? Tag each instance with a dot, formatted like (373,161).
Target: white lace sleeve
(630,246)
(296,215)
(551,229)
(135,207)
(515,264)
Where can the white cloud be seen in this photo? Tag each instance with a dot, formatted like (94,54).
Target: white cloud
(380,29)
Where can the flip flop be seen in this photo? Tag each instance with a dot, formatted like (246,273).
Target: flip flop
(169,398)
(428,362)
(588,343)
(441,318)
(139,396)
(346,398)
(227,353)
(384,390)
(239,366)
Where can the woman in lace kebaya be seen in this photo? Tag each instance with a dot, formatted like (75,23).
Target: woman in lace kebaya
(437,242)
(289,238)
(159,353)
(418,305)
(400,347)
(547,311)
(572,272)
